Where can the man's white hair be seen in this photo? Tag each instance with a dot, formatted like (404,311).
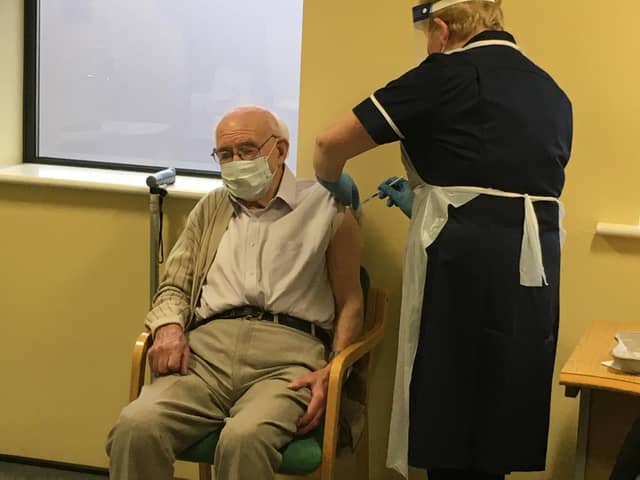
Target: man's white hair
(277,124)
(282,127)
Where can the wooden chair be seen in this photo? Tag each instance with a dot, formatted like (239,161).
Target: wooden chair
(315,453)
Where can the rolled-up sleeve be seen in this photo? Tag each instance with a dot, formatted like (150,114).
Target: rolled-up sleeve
(401,108)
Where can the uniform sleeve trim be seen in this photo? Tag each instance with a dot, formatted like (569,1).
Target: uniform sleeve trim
(386,116)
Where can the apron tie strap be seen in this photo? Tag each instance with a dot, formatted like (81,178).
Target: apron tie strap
(532,273)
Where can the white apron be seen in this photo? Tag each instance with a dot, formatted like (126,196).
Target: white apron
(429,216)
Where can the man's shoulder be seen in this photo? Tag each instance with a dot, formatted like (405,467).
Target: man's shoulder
(211,202)
(216,196)
(307,189)
(303,184)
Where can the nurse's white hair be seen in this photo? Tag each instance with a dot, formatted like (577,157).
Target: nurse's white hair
(464,19)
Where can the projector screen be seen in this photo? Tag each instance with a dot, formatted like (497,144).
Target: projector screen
(144,82)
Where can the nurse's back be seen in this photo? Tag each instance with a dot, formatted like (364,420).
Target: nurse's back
(499,121)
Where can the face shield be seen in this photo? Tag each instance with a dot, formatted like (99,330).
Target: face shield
(421,15)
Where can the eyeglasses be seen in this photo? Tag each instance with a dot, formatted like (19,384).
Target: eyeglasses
(246,151)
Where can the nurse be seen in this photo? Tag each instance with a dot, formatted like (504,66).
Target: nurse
(485,137)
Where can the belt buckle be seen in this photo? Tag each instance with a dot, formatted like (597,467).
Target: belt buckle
(259,315)
(253,315)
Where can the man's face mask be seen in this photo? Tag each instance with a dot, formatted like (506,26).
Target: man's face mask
(248,179)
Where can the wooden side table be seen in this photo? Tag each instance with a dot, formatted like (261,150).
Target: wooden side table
(609,399)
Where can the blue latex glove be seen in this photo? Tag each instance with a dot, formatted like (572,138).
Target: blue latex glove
(344,190)
(399,194)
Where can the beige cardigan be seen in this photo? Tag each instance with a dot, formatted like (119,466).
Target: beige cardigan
(184,275)
(189,262)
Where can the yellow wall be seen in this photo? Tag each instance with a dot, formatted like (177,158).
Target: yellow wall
(599,275)
(73,264)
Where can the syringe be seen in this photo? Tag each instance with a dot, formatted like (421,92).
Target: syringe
(376,194)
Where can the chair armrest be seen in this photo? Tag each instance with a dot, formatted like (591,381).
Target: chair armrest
(353,353)
(377,306)
(138,364)
(376,310)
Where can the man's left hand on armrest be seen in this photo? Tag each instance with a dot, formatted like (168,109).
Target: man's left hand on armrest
(318,383)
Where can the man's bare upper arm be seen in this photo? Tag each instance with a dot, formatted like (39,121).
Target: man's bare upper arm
(344,259)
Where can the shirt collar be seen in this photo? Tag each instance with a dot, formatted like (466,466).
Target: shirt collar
(492,35)
(286,192)
(288,188)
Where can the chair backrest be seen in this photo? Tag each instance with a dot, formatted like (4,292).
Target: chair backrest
(365,283)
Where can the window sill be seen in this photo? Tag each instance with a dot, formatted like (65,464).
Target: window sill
(102,180)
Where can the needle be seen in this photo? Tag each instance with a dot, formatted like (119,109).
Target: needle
(376,194)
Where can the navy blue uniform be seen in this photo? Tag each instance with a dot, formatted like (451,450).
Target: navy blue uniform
(487,117)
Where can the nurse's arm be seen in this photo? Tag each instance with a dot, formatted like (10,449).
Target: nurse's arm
(344,139)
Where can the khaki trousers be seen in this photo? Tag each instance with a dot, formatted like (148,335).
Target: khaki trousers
(238,376)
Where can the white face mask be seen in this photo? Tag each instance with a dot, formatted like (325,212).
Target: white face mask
(248,179)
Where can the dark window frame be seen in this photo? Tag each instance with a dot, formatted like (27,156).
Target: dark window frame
(31,113)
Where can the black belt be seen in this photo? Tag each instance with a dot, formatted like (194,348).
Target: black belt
(256,313)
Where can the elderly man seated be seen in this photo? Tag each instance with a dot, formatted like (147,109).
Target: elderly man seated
(260,291)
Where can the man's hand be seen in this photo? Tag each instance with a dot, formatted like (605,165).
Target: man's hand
(170,351)
(318,383)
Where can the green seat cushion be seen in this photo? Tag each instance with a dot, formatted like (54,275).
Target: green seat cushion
(203,451)
(301,456)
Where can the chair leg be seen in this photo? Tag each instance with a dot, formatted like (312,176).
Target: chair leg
(362,455)
(205,471)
